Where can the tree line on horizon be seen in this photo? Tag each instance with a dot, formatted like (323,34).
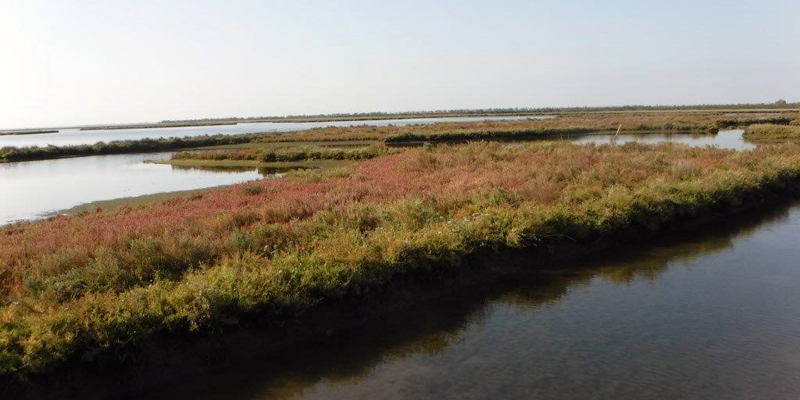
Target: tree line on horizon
(780,104)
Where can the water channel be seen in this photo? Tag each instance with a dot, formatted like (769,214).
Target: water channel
(704,314)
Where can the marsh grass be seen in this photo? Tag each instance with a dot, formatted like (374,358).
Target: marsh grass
(289,154)
(772,132)
(8,154)
(77,286)
(567,124)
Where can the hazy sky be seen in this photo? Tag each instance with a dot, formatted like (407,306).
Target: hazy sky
(83,62)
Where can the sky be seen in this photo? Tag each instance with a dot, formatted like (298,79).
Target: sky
(117,61)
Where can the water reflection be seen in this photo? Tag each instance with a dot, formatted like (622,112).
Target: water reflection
(36,188)
(728,139)
(711,314)
(263,171)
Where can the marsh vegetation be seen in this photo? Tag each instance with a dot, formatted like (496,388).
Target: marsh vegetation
(772,132)
(287,154)
(633,316)
(515,129)
(100,283)
(9,154)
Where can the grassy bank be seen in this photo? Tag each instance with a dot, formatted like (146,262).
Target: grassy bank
(529,128)
(288,154)
(264,168)
(489,134)
(769,132)
(98,284)
(8,154)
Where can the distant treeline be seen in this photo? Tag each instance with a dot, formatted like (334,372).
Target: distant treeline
(778,105)
(164,124)
(569,123)
(28,132)
(119,147)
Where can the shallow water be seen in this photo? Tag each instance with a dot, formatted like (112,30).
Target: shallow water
(35,188)
(729,139)
(710,314)
(76,137)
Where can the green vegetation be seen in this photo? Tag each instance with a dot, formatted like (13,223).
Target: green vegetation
(485,135)
(109,205)
(99,284)
(264,168)
(258,143)
(298,153)
(568,124)
(118,147)
(697,121)
(772,132)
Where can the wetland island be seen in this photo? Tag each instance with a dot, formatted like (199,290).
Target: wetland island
(399,200)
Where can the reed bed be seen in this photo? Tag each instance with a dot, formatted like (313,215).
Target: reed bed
(772,132)
(563,125)
(9,154)
(295,153)
(99,283)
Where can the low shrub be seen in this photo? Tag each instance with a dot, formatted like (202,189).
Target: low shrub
(76,286)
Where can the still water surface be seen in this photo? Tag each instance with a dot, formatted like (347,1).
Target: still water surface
(36,188)
(33,188)
(729,139)
(76,137)
(710,314)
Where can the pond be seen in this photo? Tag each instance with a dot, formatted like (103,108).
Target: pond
(709,314)
(727,139)
(33,189)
